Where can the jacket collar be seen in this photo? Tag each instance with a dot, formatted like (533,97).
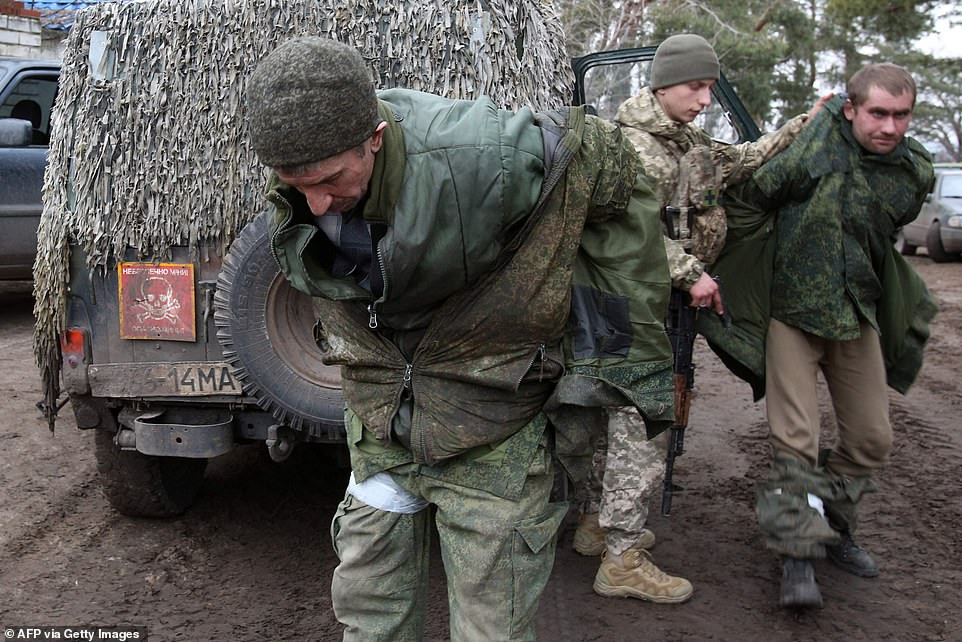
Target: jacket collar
(644,112)
(388,174)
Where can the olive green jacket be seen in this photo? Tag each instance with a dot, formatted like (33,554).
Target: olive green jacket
(491,219)
(811,243)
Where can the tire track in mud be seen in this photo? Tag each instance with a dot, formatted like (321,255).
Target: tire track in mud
(925,468)
(46,524)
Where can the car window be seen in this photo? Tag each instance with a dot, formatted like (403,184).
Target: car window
(951,186)
(31,98)
(607,86)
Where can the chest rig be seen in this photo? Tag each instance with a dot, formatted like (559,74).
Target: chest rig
(694,216)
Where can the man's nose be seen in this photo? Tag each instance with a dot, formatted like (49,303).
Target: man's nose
(704,97)
(319,200)
(889,125)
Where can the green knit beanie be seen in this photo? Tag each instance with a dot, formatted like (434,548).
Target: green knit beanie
(682,58)
(309,99)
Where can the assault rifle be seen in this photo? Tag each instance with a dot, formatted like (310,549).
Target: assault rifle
(681,334)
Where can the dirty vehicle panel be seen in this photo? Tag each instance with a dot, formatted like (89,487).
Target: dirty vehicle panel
(148,373)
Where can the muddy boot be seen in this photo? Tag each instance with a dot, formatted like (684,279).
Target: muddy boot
(849,556)
(590,536)
(799,589)
(635,575)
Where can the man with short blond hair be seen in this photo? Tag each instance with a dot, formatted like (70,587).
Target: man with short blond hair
(891,78)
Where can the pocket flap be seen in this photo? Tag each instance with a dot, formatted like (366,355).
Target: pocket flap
(537,532)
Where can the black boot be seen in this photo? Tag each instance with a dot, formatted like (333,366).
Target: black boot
(799,589)
(851,557)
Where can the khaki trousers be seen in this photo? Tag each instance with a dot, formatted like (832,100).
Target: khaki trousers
(855,374)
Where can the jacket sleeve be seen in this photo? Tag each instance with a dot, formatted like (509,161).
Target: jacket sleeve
(738,162)
(924,179)
(684,268)
(621,272)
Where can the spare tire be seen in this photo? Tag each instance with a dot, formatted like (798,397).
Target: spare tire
(266,328)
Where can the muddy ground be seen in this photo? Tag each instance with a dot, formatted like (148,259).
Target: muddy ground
(252,559)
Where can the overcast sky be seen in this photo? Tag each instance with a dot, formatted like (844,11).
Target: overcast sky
(946,43)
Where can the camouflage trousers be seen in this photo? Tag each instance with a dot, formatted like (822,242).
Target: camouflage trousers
(626,469)
(497,557)
(802,508)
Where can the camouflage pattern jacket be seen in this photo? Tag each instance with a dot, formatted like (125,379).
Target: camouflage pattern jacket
(814,228)
(690,170)
(487,217)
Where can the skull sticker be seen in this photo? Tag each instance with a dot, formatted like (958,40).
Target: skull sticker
(157,300)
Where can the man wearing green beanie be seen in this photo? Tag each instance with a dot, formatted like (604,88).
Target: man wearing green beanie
(689,169)
(452,249)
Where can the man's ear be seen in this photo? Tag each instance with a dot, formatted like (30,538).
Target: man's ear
(377,138)
(849,110)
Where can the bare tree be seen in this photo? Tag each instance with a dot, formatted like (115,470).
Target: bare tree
(597,25)
(938,113)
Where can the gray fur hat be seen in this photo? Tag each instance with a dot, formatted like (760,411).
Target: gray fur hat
(682,58)
(309,99)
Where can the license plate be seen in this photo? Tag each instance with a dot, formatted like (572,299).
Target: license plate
(179,379)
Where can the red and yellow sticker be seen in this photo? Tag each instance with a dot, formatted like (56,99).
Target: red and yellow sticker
(157,301)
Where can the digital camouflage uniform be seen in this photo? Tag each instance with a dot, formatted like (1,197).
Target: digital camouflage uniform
(688,169)
(488,221)
(613,487)
(826,268)
(691,169)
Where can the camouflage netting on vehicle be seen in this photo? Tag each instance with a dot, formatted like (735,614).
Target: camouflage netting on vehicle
(149,147)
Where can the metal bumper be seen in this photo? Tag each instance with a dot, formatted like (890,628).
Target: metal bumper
(152,434)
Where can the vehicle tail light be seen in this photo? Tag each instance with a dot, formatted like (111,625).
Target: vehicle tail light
(73,346)
(75,351)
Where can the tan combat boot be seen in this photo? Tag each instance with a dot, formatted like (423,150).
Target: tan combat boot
(590,536)
(640,578)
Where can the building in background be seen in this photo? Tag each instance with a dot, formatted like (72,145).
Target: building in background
(37,29)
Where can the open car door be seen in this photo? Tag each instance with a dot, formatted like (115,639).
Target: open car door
(606,79)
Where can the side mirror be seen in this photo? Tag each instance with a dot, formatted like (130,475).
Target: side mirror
(15,132)
(928,197)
